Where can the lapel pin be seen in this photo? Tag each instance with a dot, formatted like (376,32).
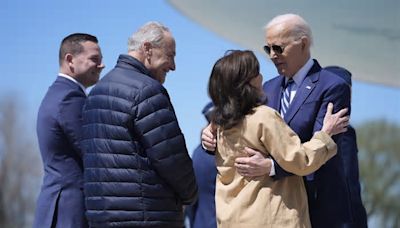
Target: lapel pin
(308,87)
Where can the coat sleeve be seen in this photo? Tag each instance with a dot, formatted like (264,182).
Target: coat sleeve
(339,95)
(286,148)
(157,128)
(70,118)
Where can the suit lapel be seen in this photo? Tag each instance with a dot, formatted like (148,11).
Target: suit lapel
(304,91)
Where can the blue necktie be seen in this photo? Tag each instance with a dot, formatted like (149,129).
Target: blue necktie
(285,100)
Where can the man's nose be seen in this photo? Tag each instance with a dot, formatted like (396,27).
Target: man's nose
(272,54)
(172,67)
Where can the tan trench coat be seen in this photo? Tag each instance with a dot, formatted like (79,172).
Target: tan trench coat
(262,202)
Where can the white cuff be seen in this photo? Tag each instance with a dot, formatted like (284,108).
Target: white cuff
(272,172)
(202,145)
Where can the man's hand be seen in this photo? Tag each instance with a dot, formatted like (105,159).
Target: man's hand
(208,140)
(254,165)
(335,123)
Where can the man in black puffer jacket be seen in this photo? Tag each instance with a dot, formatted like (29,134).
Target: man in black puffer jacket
(137,169)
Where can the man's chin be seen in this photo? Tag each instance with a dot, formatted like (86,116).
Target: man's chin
(161,78)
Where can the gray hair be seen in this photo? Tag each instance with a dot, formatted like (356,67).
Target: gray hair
(152,32)
(299,27)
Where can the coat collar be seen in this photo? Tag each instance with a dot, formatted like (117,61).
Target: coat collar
(71,83)
(127,61)
(66,76)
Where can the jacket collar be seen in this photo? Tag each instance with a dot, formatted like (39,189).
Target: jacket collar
(66,76)
(127,61)
(72,84)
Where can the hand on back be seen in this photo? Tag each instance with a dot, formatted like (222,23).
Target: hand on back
(335,123)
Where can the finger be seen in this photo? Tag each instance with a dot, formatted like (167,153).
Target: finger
(213,127)
(246,169)
(342,130)
(243,173)
(209,146)
(250,174)
(238,165)
(344,122)
(329,108)
(241,160)
(208,134)
(345,119)
(208,139)
(250,151)
(242,168)
(342,112)
(208,129)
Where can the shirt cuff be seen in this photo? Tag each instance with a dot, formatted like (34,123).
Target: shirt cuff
(204,148)
(272,172)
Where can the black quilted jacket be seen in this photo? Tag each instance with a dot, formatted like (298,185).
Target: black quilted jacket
(136,167)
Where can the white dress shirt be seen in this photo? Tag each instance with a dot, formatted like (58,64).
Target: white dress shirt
(298,78)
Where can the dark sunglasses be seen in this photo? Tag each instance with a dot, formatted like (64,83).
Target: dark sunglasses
(277,49)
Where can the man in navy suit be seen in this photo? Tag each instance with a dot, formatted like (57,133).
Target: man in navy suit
(202,213)
(350,162)
(59,123)
(310,89)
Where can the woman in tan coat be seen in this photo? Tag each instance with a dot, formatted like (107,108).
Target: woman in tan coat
(235,87)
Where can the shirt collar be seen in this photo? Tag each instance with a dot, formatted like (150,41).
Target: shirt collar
(74,80)
(302,73)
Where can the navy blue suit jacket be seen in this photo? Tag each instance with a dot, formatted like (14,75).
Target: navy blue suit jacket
(202,213)
(59,123)
(350,164)
(328,194)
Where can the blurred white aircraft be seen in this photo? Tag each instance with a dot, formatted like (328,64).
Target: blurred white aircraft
(361,35)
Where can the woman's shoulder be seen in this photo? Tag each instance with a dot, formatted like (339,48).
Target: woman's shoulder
(263,115)
(263,110)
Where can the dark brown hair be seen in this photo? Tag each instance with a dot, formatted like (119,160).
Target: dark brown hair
(230,89)
(72,44)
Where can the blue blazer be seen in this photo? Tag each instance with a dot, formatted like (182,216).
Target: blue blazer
(328,194)
(350,164)
(59,122)
(202,213)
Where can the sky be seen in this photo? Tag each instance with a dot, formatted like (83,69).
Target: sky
(32,32)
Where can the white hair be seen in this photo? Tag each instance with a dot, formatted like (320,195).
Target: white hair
(152,32)
(298,26)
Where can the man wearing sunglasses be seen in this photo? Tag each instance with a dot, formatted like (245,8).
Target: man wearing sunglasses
(301,93)
(288,41)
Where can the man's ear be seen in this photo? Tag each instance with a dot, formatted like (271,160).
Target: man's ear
(147,49)
(305,42)
(68,58)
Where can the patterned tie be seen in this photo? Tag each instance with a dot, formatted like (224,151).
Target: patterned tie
(285,100)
